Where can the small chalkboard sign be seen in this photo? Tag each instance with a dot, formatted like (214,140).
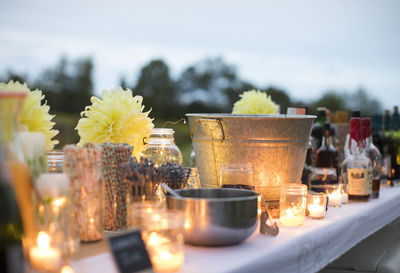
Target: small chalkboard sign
(130,253)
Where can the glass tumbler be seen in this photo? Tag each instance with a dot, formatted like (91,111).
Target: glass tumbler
(163,236)
(293,199)
(238,175)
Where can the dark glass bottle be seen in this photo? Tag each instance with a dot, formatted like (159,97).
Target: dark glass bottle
(11,253)
(317,129)
(395,144)
(373,154)
(327,154)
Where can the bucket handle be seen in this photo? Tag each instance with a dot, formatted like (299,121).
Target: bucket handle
(212,140)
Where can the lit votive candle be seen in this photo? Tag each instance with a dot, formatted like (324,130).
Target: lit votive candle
(43,257)
(292,204)
(316,211)
(316,205)
(334,195)
(163,237)
(291,218)
(167,261)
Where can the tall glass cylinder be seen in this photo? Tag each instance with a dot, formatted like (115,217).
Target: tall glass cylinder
(10,106)
(83,166)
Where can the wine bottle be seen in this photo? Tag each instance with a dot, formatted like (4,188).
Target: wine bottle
(356,166)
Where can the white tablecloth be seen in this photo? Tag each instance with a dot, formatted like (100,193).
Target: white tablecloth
(302,249)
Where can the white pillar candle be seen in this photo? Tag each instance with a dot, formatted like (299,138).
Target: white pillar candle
(167,261)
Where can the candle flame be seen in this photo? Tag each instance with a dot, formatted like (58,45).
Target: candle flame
(153,239)
(67,269)
(316,201)
(43,240)
(165,255)
(59,202)
(289,213)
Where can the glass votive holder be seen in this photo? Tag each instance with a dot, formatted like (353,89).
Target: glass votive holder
(55,161)
(345,195)
(163,236)
(293,199)
(334,193)
(316,205)
(138,210)
(44,255)
(237,175)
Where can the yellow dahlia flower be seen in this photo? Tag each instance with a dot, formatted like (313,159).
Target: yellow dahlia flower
(34,115)
(117,117)
(255,102)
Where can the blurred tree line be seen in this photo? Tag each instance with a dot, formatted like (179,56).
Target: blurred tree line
(208,86)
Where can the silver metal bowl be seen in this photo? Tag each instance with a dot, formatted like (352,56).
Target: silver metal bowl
(216,216)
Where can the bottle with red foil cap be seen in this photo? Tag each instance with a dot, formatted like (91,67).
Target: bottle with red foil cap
(356,166)
(373,154)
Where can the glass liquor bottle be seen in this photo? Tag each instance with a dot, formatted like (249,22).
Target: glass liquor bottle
(395,147)
(317,129)
(325,171)
(346,151)
(373,154)
(356,166)
(326,154)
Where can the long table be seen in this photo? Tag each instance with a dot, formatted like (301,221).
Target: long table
(303,249)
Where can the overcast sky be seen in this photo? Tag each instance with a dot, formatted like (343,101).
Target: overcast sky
(305,47)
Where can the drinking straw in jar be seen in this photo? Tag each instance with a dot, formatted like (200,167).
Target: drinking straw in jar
(83,166)
(114,157)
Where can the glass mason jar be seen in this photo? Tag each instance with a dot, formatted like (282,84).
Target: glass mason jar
(161,147)
(293,200)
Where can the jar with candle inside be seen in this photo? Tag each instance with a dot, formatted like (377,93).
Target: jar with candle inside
(316,205)
(137,211)
(293,199)
(163,236)
(45,255)
(161,147)
(334,193)
(55,211)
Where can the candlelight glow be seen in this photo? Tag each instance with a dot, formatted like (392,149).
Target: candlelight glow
(43,240)
(165,255)
(153,239)
(67,269)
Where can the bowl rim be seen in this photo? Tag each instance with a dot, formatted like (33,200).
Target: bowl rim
(214,199)
(229,115)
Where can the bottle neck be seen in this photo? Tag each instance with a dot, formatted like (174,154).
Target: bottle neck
(356,147)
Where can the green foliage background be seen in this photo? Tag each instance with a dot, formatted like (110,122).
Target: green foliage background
(208,86)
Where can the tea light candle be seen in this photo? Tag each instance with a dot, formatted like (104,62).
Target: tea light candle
(335,198)
(167,261)
(43,257)
(316,211)
(291,218)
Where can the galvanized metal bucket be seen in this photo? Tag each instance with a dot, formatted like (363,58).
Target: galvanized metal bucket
(275,145)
